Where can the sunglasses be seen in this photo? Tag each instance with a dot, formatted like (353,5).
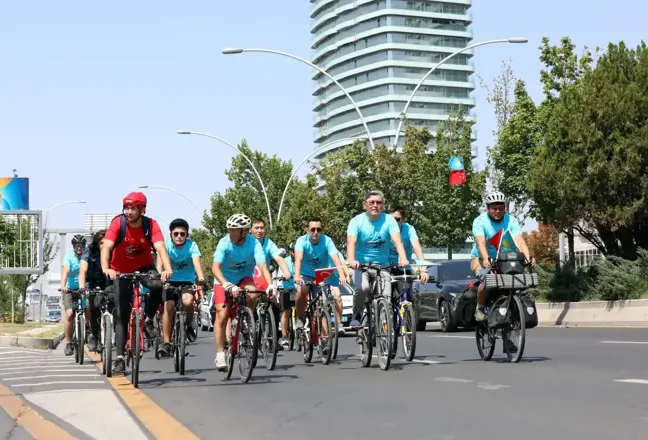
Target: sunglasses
(398,218)
(315,229)
(374,202)
(179,234)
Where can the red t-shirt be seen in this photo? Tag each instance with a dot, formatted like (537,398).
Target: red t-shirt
(134,252)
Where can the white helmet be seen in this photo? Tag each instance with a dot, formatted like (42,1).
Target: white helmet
(495,197)
(239,221)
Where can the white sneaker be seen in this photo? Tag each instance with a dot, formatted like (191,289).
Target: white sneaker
(340,329)
(479,315)
(220,363)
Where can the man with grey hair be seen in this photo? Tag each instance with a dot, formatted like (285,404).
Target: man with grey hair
(369,236)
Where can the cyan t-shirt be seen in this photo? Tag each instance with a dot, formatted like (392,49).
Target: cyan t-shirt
(237,262)
(315,256)
(182,260)
(289,284)
(270,250)
(372,238)
(74,264)
(483,226)
(408,235)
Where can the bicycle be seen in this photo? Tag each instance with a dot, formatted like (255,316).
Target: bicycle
(79,331)
(266,331)
(135,338)
(404,316)
(317,325)
(505,312)
(157,325)
(106,329)
(321,275)
(244,343)
(180,336)
(376,304)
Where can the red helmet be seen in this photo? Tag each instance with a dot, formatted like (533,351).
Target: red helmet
(135,199)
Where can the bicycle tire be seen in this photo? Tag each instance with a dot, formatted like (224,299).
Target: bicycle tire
(182,341)
(385,322)
(107,347)
(291,331)
(324,347)
(247,343)
(158,333)
(81,340)
(174,344)
(518,315)
(229,351)
(306,339)
(366,337)
(408,327)
(193,338)
(482,332)
(335,335)
(269,340)
(136,328)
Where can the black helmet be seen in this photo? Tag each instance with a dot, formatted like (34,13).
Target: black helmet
(179,223)
(78,240)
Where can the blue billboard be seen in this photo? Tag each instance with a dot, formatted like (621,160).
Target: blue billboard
(14,193)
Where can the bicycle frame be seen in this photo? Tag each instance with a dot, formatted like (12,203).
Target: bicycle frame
(400,302)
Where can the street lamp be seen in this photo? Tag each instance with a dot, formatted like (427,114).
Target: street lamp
(5,283)
(313,153)
(233,51)
(431,71)
(247,159)
(173,191)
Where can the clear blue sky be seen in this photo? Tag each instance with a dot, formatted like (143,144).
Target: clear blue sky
(91,93)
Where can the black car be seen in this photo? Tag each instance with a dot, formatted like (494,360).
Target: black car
(433,301)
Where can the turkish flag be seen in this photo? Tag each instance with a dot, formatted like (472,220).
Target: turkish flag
(457,177)
(259,281)
(322,274)
(496,239)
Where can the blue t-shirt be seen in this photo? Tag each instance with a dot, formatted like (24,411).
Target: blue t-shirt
(237,262)
(270,250)
(408,235)
(372,238)
(483,226)
(182,260)
(74,264)
(289,284)
(315,256)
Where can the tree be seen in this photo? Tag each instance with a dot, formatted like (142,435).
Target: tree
(452,208)
(543,244)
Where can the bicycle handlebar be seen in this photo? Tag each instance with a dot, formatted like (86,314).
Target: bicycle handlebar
(139,276)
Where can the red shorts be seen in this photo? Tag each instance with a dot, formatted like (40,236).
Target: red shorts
(219,292)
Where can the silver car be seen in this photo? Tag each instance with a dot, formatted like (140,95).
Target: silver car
(207,312)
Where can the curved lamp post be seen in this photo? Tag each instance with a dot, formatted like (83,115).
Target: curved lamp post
(247,159)
(233,51)
(173,191)
(431,71)
(69,202)
(313,153)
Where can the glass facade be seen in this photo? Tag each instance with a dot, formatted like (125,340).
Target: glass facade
(378,50)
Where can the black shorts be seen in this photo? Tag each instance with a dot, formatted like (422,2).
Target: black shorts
(286,301)
(170,294)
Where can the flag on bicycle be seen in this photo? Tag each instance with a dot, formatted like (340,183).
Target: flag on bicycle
(502,241)
(259,281)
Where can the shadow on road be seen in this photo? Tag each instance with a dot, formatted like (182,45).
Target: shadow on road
(173,380)
(504,360)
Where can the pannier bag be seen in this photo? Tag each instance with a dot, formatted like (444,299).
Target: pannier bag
(499,313)
(530,311)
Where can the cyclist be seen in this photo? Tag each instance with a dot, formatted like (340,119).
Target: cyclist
(234,260)
(70,281)
(368,237)
(286,302)
(334,282)
(92,277)
(411,242)
(312,252)
(185,262)
(133,254)
(495,231)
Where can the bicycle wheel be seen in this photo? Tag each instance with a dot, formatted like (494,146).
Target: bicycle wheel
(334,335)
(324,339)
(158,334)
(136,328)
(518,325)
(81,338)
(269,339)
(365,335)
(230,349)
(384,332)
(485,341)
(306,338)
(291,331)
(181,339)
(107,345)
(248,348)
(407,330)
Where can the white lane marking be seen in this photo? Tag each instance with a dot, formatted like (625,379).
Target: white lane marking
(56,382)
(38,367)
(51,375)
(47,370)
(426,362)
(28,351)
(492,386)
(452,336)
(453,379)
(35,361)
(640,381)
(623,342)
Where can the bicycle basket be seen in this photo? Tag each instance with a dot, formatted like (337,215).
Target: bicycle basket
(510,263)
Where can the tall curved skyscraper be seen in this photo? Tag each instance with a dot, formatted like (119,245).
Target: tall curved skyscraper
(379,50)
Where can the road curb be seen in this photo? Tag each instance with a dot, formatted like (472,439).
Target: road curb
(630,313)
(30,342)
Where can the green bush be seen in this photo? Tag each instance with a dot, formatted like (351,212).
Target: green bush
(611,279)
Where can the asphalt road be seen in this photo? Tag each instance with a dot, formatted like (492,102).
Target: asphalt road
(567,386)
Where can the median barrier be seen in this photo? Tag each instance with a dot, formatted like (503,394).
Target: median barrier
(594,313)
